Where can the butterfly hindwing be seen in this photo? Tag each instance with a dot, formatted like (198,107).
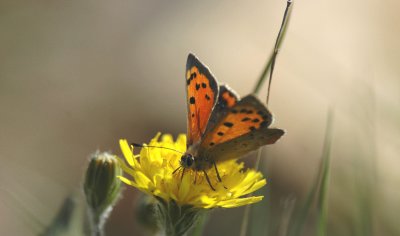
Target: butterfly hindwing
(202,94)
(240,146)
(247,115)
(227,97)
(243,128)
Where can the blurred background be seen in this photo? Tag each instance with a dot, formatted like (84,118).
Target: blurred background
(76,76)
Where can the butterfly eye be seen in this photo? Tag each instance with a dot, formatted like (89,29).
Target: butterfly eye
(189,160)
(183,160)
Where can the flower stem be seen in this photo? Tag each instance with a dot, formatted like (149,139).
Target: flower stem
(98,231)
(176,220)
(97,221)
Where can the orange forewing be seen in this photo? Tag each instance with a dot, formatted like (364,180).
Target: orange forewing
(202,92)
(246,116)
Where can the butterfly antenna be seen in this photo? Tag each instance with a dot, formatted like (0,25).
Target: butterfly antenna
(142,146)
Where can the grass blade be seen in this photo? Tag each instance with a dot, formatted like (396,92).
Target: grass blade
(62,221)
(271,61)
(71,218)
(246,215)
(322,198)
(300,216)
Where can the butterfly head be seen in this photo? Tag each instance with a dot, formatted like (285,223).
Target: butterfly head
(187,160)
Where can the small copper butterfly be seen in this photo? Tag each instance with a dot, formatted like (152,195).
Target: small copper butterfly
(220,125)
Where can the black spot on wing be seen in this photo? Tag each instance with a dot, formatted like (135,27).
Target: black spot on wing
(203,85)
(192,77)
(228,124)
(197,86)
(207,97)
(246,119)
(249,112)
(192,100)
(263,115)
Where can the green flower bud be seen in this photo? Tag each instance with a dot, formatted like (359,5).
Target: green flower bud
(145,212)
(102,187)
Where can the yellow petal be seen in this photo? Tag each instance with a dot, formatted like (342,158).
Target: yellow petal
(240,202)
(127,151)
(142,180)
(125,168)
(126,181)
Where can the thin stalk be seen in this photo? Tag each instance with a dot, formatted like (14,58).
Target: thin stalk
(270,63)
(97,223)
(272,58)
(246,216)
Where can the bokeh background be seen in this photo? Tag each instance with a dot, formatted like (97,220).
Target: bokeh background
(75,76)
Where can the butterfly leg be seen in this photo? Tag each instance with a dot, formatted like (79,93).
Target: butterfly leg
(195,177)
(218,176)
(208,180)
(183,172)
(176,169)
(216,170)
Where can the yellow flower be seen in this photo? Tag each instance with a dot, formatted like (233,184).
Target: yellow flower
(152,172)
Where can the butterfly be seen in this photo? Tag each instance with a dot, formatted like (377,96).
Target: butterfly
(220,125)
